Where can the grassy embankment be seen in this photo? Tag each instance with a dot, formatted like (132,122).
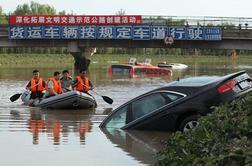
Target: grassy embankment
(223,138)
(35,60)
(66,60)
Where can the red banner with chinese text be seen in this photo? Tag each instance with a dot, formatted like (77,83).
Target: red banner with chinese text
(75,19)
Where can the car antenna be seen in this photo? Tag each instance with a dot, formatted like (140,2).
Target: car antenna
(178,79)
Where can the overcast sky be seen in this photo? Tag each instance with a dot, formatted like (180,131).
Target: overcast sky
(225,8)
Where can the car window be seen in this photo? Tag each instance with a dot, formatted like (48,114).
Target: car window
(171,96)
(139,71)
(147,104)
(152,102)
(121,69)
(118,119)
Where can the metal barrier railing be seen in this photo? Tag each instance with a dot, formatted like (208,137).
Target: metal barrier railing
(240,22)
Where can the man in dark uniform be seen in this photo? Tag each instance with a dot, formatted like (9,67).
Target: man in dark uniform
(66,81)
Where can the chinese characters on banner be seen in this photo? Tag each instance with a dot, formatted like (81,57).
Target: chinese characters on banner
(75,20)
(137,32)
(212,33)
(178,33)
(194,33)
(87,32)
(141,33)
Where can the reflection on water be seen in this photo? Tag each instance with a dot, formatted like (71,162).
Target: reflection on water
(57,124)
(45,136)
(41,133)
(142,145)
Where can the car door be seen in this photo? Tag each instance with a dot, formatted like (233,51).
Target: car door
(139,108)
(149,105)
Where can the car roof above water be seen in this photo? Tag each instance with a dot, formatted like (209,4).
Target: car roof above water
(202,80)
(195,81)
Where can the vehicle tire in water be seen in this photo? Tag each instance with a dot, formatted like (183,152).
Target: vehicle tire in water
(189,123)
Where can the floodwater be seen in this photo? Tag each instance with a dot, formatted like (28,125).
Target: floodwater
(32,136)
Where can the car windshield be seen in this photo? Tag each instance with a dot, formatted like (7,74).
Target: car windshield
(118,119)
(195,81)
(121,69)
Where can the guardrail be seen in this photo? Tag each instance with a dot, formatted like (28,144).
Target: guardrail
(243,22)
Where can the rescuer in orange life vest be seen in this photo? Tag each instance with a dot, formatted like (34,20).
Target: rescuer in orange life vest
(53,85)
(36,85)
(82,83)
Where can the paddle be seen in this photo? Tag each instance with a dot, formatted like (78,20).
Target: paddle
(105,98)
(16,96)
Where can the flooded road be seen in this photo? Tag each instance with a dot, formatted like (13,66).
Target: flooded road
(32,136)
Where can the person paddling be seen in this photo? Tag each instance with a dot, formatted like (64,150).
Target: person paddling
(36,85)
(66,81)
(82,83)
(53,85)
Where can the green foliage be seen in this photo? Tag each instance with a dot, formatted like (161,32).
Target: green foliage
(63,12)
(172,22)
(224,137)
(1,10)
(3,18)
(120,12)
(35,8)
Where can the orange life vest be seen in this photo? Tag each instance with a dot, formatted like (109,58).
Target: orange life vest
(56,129)
(81,86)
(56,85)
(36,126)
(37,88)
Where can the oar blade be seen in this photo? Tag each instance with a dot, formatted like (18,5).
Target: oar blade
(15,97)
(107,99)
